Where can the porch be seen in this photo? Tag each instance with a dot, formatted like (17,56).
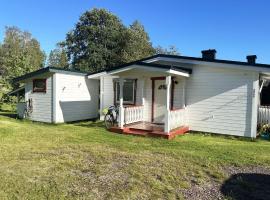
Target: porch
(144,128)
(159,109)
(21,104)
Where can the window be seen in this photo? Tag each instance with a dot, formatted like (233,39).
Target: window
(129,93)
(39,85)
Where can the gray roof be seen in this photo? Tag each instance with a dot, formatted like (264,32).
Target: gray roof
(45,70)
(141,62)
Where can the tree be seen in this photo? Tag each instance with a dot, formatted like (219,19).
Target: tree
(20,53)
(172,50)
(96,42)
(100,40)
(138,43)
(58,58)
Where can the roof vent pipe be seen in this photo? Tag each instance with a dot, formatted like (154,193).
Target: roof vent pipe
(209,54)
(251,59)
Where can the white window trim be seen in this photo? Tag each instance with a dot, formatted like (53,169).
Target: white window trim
(133,96)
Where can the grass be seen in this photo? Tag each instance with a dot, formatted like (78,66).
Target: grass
(7,107)
(84,161)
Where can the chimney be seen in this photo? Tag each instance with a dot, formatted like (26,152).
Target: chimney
(209,54)
(251,59)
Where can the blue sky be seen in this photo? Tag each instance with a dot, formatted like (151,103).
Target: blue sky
(234,28)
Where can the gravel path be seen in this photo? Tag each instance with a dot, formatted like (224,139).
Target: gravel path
(242,184)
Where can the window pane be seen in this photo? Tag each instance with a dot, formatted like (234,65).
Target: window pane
(128,91)
(117,91)
(40,84)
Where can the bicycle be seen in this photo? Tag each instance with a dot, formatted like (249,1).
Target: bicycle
(111,117)
(28,109)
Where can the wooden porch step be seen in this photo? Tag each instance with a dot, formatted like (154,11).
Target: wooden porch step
(179,131)
(133,131)
(116,129)
(156,133)
(140,130)
(146,133)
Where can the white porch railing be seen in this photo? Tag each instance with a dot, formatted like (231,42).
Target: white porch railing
(21,106)
(264,115)
(133,114)
(177,118)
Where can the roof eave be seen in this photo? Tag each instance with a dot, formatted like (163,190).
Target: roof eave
(30,75)
(46,70)
(18,90)
(215,62)
(147,66)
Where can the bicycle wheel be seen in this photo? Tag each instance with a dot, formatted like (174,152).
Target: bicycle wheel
(108,121)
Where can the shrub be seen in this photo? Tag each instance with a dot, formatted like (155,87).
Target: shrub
(265,129)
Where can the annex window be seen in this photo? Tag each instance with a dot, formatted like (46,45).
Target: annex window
(39,85)
(129,91)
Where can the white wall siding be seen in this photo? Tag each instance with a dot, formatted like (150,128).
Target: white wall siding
(148,99)
(220,100)
(76,98)
(106,94)
(42,102)
(139,90)
(178,101)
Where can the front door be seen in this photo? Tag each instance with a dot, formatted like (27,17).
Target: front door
(159,101)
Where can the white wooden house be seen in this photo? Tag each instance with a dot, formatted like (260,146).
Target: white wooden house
(166,95)
(56,95)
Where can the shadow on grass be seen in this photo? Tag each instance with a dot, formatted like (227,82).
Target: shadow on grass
(244,186)
(224,136)
(8,114)
(89,123)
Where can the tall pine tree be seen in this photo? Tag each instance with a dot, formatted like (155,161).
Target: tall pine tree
(58,58)
(138,43)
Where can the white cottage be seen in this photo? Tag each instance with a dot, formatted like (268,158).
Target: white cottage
(160,95)
(56,95)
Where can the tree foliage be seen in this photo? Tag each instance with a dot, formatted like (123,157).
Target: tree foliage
(138,43)
(96,41)
(171,50)
(58,58)
(100,40)
(20,53)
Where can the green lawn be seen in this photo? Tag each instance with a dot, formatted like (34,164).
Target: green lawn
(84,161)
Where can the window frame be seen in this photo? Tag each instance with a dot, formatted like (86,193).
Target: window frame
(133,102)
(35,90)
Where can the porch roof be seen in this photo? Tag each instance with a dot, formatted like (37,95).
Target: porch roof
(142,65)
(19,91)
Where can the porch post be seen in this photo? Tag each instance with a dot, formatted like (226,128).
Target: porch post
(184,93)
(167,114)
(142,91)
(143,100)
(121,107)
